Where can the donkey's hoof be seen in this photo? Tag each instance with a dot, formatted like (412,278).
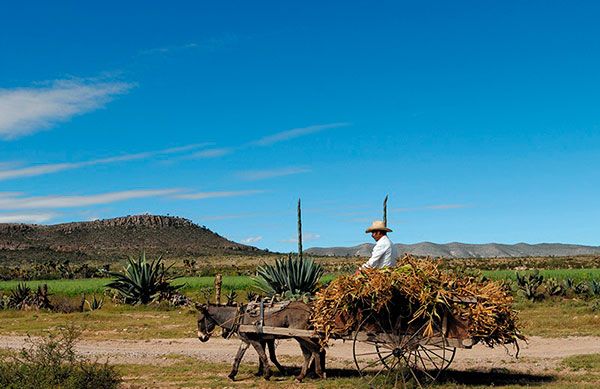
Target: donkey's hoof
(299,379)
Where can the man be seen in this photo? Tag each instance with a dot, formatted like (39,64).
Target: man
(384,253)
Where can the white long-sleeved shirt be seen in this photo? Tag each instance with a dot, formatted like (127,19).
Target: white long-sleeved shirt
(383,255)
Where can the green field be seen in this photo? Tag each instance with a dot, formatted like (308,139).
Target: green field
(559,274)
(97,285)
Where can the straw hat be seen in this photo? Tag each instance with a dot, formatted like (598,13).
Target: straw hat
(378,225)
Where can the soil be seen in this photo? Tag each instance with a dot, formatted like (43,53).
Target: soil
(538,355)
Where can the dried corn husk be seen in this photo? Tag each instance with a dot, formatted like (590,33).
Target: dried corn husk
(416,294)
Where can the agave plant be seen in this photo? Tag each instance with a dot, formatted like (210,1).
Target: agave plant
(289,277)
(20,296)
(231,296)
(143,282)
(95,303)
(595,287)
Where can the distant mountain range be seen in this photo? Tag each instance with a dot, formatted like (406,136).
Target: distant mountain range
(463,250)
(113,239)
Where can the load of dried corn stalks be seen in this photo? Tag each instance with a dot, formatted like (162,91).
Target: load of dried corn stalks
(416,294)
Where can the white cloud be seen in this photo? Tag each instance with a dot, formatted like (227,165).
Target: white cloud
(252,239)
(28,218)
(37,170)
(44,202)
(254,175)
(213,153)
(306,237)
(208,195)
(295,133)
(24,111)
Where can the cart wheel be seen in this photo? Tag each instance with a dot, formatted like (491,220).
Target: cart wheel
(399,358)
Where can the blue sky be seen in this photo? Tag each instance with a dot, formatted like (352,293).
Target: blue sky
(479,119)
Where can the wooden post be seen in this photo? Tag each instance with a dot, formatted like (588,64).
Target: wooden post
(299,231)
(218,283)
(385,210)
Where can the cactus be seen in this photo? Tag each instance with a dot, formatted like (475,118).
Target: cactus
(529,284)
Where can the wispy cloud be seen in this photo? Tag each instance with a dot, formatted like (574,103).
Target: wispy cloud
(295,133)
(306,237)
(37,170)
(255,175)
(24,111)
(267,140)
(252,239)
(27,217)
(212,153)
(14,202)
(208,195)
(208,44)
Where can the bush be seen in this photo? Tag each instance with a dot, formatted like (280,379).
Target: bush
(52,363)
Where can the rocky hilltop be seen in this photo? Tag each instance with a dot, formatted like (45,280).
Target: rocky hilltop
(113,239)
(463,250)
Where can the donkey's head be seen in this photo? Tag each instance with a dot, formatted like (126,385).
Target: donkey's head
(206,324)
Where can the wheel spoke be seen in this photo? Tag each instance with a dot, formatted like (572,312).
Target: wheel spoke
(370,353)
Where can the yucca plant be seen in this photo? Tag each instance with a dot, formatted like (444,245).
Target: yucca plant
(143,282)
(289,277)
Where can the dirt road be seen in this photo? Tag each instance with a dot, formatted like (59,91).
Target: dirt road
(537,355)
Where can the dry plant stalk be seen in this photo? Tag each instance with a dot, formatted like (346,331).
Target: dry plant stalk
(415,295)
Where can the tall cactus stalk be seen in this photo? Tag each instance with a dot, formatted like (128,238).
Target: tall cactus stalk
(299,231)
(385,210)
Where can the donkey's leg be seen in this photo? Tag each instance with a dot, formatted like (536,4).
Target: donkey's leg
(306,353)
(238,358)
(273,357)
(261,367)
(322,355)
(262,357)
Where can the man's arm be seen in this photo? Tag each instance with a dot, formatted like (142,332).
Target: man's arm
(376,256)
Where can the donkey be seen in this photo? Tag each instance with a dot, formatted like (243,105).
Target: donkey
(296,315)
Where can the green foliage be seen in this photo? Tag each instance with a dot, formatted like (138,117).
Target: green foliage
(143,282)
(289,277)
(529,285)
(53,363)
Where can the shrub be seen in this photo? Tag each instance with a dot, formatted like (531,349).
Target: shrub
(143,282)
(52,363)
(289,277)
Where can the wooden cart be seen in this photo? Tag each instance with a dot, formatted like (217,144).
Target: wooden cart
(395,351)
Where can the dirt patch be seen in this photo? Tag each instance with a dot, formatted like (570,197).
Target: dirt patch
(538,355)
